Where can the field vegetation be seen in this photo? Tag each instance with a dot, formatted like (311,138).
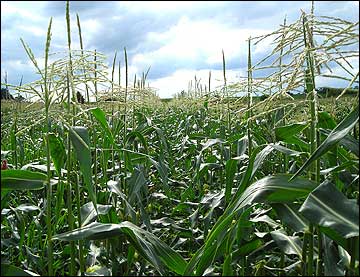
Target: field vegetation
(216,181)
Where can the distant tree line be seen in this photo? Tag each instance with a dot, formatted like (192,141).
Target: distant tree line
(323,92)
(328,91)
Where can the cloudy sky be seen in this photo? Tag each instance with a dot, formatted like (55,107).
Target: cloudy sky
(177,39)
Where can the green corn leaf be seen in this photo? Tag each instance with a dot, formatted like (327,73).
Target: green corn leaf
(327,206)
(227,269)
(115,188)
(22,180)
(336,237)
(135,134)
(247,248)
(57,152)
(289,134)
(286,132)
(100,116)
(288,244)
(349,142)
(136,182)
(80,139)
(148,245)
(289,214)
(326,121)
(341,130)
(88,212)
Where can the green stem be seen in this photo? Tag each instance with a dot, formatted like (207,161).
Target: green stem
(310,261)
(249,99)
(304,251)
(319,268)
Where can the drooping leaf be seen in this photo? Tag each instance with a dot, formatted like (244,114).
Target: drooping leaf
(327,206)
(148,245)
(115,188)
(88,212)
(288,244)
(256,160)
(22,179)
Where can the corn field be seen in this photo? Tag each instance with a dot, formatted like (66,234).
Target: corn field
(208,184)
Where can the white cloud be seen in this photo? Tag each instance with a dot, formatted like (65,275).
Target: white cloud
(179,80)
(193,40)
(24,9)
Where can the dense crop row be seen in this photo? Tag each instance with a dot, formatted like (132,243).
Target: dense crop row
(207,184)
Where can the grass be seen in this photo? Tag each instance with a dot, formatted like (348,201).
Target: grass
(207,183)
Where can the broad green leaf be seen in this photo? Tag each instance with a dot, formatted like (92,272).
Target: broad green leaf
(100,116)
(341,130)
(289,214)
(148,245)
(242,145)
(57,152)
(285,133)
(257,158)
(211,142)
(204,168)
(22,179)
(335,236)
(266,219)
(340,167)
(326,121)
(349,142)
(247,248)
(80,139)
(286,150)
(327,206)
(227,269)
(88,212)
(288,244)
(273,189)
(27,208)
(289,133)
